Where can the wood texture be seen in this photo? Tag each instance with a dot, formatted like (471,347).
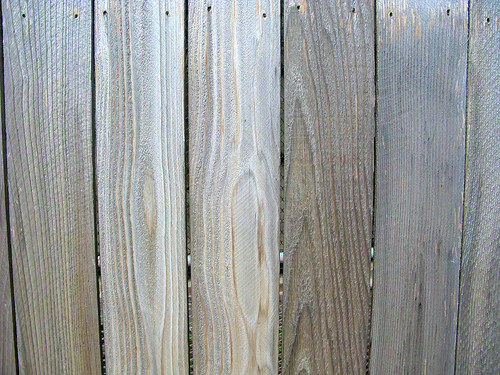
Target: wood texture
(478,351)
(234,129)
(7,346)
(140,157)
(329,162)
(48,100)
(421,78)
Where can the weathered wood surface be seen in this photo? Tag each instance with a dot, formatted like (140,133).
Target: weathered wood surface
(329,164)
(140,161)
(7,346)
(421,79)
(478,350)
(234,129)
(48,106)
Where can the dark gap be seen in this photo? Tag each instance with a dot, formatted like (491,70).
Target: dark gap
(464,186)
(76,15)
(264,15)
(354,10)
(209,8)
(391,14)
(282,182)
(94,186)
(6,190)
(374,202)
(104,12)
(167,13)
(298,7)
(187,218)
(23,15)
(448,12)
(488,20)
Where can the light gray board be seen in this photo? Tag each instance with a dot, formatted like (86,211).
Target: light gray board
(48,100)
(234,158)
(7,347)
(140,176)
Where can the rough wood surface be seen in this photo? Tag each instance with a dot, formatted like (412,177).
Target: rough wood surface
(421,81)
(234,129)
(48,100)
(478,350)
(140,160)
(7,347)
(329,163)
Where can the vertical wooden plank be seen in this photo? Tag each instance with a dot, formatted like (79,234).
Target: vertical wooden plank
(478,351)
(140,158)
(7,346)
(234,145)
(421,78)
(48,100)
(329,162)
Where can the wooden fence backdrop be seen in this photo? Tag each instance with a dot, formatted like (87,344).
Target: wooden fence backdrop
(360,138)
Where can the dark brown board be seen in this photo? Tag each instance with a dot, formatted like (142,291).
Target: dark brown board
(478,349)
(421,101)
(329,161)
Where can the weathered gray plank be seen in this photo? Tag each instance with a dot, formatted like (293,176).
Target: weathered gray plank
(7,347)
(234,129)
(48,99)
(140,158)
(329,163)
(478,350)
(421,78)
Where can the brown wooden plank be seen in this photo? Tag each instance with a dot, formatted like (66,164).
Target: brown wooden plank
(48,100)
(7,346)
(329,163)
(421,78)
(478,349)
(234,157)
(140,158)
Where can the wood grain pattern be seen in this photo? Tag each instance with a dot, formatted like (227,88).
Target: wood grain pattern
(478,350)
(48,100)
(140,155)
(7,346)
(329,162)
(234,129)
(421,78)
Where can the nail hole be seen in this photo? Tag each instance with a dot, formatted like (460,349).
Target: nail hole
(448,12)
(264,15)
(167,13)
(391,14)
(24,15)
(298,7)
(354,10)
(76,15)
(209,8)
(104,12)
(488,19)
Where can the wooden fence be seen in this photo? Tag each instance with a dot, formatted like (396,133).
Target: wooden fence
(136,131)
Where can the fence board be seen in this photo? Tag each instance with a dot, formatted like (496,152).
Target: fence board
(140,153)
(234,128)
(479,326)
(329,163)
(48,91)
(7,347)
(421,76)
